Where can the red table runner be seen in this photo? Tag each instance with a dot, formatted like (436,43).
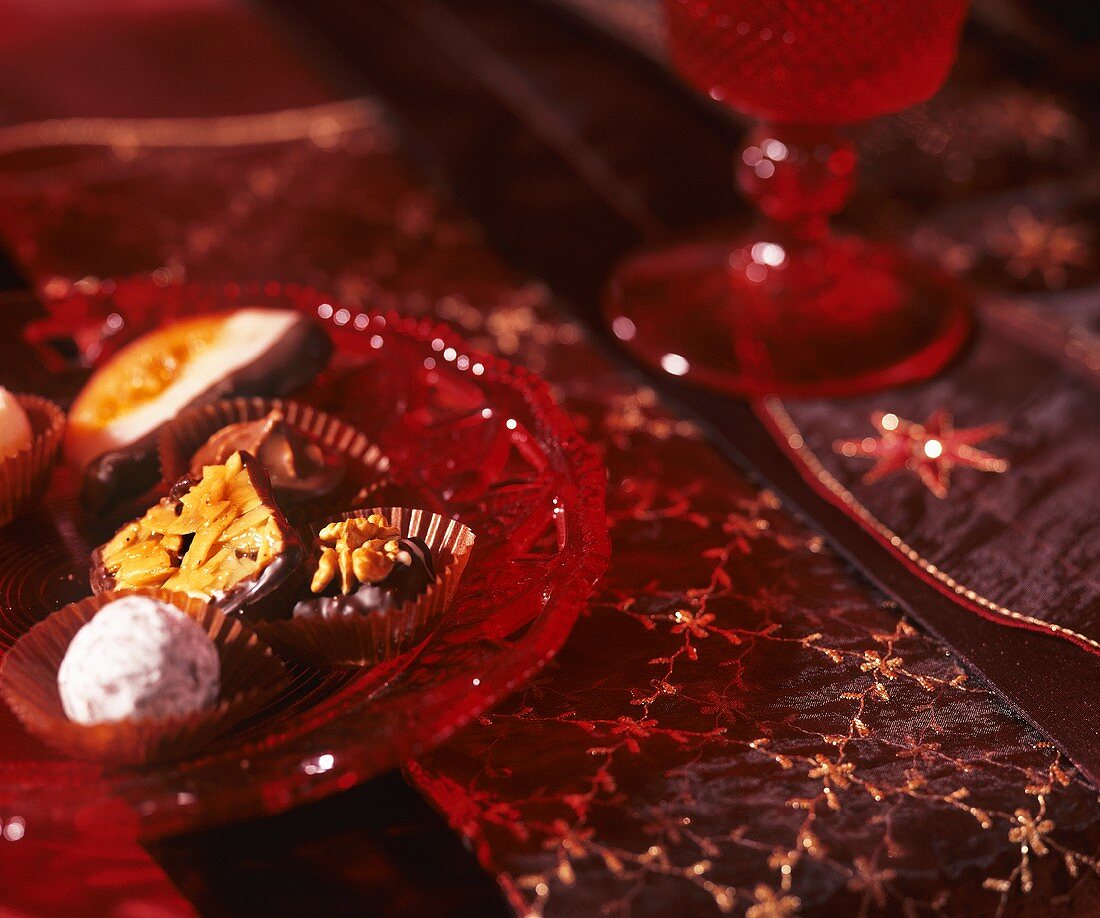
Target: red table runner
(739,723)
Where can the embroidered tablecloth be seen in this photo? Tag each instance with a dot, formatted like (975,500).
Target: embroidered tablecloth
(740,722)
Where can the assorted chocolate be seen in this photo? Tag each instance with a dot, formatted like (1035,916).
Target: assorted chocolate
(379,580)
(364,565)
(319,464)
(218,547)
(138,676)
(141,667)
(299,468)
(220,537)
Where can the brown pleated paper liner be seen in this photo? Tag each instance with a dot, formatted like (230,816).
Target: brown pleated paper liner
(251,676)
(366,471)
(25,476)
(338,636)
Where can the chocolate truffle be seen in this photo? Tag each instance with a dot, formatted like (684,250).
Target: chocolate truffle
(298,467)
(138,658)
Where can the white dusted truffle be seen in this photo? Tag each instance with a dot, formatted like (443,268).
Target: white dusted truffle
(140,658)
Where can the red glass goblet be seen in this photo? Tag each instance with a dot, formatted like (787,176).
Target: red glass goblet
(790,308)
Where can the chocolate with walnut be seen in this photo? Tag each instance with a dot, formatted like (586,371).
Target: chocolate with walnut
(365,565)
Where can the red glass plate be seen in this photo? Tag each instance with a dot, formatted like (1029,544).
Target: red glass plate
(468,435)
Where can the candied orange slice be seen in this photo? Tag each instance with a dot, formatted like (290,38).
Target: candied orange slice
(161,373)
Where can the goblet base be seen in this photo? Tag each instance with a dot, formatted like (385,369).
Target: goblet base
(842,316)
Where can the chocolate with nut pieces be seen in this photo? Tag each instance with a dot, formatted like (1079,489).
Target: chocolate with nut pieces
(220,537)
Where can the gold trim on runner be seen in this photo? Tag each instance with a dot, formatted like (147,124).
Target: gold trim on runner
(319,123)
(797,444)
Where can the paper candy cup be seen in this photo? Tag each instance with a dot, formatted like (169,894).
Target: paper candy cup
(25,476)
(339,636)
(366,468)
(251,678)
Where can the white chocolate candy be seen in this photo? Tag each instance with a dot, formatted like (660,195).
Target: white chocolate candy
(138,658)
(15,428)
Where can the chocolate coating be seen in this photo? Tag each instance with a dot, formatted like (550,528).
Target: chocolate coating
(365,600)
(119,475)
(298,467)
(407,581)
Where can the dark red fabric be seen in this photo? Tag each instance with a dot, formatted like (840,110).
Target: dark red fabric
(1026,538)
(67,58)
(740,722)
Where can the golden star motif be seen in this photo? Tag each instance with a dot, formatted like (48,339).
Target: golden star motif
(1031,245)
(931,449)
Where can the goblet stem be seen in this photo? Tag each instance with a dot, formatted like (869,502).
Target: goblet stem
(789,307)
(797,176)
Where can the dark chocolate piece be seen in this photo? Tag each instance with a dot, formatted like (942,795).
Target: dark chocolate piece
(298,467)
(365,600)
(408,581)
(411,576)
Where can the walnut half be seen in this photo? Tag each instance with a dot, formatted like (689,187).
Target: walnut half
(363,549)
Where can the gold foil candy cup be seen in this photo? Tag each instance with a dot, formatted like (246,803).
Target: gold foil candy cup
(338,636)
(25,476)
(251,678)
(366,470)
